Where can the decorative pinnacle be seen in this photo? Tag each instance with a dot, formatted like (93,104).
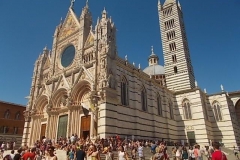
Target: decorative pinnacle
(126,58)
(222,88)
(205,90)
(139,66)
(72,3)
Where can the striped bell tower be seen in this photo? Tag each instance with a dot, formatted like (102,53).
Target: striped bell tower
(177,62)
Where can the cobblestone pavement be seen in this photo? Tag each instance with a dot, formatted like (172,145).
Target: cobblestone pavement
(62,155)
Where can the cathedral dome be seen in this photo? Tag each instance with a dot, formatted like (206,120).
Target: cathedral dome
(155,69)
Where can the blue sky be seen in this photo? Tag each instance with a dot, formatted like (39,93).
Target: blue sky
(212,27)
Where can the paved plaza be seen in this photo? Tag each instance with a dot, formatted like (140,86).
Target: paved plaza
(62,155)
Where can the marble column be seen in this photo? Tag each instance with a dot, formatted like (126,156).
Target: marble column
(92,126)
(69,126)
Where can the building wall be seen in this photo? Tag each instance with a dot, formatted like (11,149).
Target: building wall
(11,121)
(93,80)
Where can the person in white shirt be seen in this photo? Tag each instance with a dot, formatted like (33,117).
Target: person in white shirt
(12,154)
(179,153)
(140,152)
(72,139)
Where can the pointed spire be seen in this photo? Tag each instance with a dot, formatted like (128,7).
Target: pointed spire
(139,66)
(159,3)
(179,5)
(104,13)
(72,4)
(86,3)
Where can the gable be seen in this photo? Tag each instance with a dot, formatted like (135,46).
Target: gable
(69,26)
(90,40)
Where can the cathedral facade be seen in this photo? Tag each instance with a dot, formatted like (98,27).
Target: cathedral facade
(82,86)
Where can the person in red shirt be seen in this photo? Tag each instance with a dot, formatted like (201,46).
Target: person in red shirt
(218,154)
(30,155)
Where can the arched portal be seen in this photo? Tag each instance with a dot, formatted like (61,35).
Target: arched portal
(80,118)
(237,109)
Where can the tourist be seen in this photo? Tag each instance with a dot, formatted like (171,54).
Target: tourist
(108,153)
(235,151)
(191,153)
(93,154)
(29,155)
(18,155)
(14,145)
(1,152)
(185,154)
(12,154)
(121,154)
(72,139)
(140,151)
(218,154)
(38,155)
(80,153)
(159,154)
(179,153)
(7,157)
(174,150)
(153,147)
(71,154)
(134,152)
(51,155)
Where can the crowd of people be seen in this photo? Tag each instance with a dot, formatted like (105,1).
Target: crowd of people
(113,148)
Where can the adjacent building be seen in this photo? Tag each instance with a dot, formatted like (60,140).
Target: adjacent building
(11,122)
(82,86)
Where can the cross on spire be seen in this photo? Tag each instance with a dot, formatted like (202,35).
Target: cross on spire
(152,50)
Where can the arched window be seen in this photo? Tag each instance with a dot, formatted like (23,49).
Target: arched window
(7,114)
(175,69)
(217,111)
(186,109)
(124,92)
(17,116)
(144,99)
(159,105)
(170,105)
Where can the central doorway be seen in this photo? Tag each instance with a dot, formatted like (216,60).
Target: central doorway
(62,126)
(85,126)
(191,138)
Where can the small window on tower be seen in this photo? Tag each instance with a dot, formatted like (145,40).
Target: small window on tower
(175,69)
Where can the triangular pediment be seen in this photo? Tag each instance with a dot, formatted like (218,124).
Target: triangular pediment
(70,25)
(90,40)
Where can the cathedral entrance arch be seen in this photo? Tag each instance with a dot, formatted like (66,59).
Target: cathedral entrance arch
(237,109)
(85,126)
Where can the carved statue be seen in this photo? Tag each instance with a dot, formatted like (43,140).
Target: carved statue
(64,100)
